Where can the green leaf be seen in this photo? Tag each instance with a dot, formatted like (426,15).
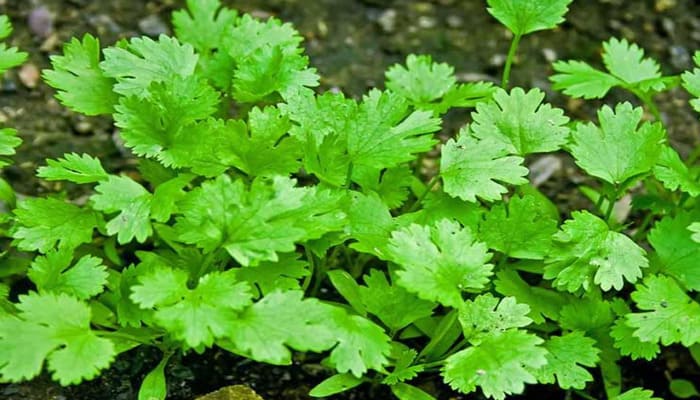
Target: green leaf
(370,223)
(144,61)
(579,79)
(626,61)
(74,168)
(542,302)
(674,174)
(133,202)
(264,330)
(669,315)
(167,195)
(5,27)
(631,345)
(500,365)
(488,316)
(404,391)
(691,82)
(204,24)
(567,355)
(52,273)
(676,250)
(45,223)
(392,185)
(472,167)
(683,388)
(637,394)
(620,148)
(520,122)
(392,304)
(195,316)
(269,276)
(335,384)
(440,262)
(586,251)
(254,224)
(55,328)
(81,85)
(8,142)
(404,367)
(695,228)
(153,386)
(526,16)
(586,314)
(522,228)
(9,57)
(347,287)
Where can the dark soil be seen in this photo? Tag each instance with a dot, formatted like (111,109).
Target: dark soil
(351,42)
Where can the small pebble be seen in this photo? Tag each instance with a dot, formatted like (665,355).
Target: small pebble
(680,57)
(543,169)
(40,21)
(426,22)
(387,20)
(497,60)
(454,21)
(549,54)
(153,25)
(29,75)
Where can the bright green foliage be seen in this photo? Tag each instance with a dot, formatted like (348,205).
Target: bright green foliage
(404,367)
(527,16)
(695,229)
(133,202)
(205,25)
(627,67)
(521,122)
(81,84)
(566,357)
(472,168)
(542,302)
(370,223)
(691,82)
(487,316)
(637,394)
(44,223)
(677,252)
(440,262)
(392,304)
(75,168)
(586,251)
(432,86)
(674,174)
(620,148)
(500,365)
(254,224)
(144,61)
(268,276)
(631,345)
(586,315)
(52,273)
(392,185)
(8,142)
(56,328)
(280,320)
(669,315)
(195,316)
(522,228)
(10,57)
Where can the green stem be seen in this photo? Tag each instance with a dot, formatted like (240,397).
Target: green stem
(348,177)
(642,230)
(509,60)
(312,269)
(693,156)
(611,205)
(584,395)
(422,197)
(451,319)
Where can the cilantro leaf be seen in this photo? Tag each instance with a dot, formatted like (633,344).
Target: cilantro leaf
(280,320)
(631,345)
(280,275)
(566,356)
(133,202)
(637,394)
(44,223)
(195,316)
(676,250)
(586,250)
(521,122)
(471,167)
(542,302)
(53,327)
(203,24)
(579,79)
(523,17)
(440,262)
(53,273)
(522,229)
(695,229)
(691,82)
(167,195)
(438,205)
(74,168)
(487,316)
(81,85)
(404,368)
(9,57)
(620,148)
(392,304)
(432,86)
(500,365)
(392,185)
(669,315)
(254,224)
(626,61)
(370,223)
(145,61)
(674,174)
(8,142)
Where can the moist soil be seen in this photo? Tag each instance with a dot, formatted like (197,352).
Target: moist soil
(351,43)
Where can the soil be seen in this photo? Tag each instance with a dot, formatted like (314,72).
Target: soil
(351,43)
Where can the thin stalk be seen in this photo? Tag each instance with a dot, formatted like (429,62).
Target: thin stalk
(611,205)
(348,177)
(584,395)
(422,197)
(509,60)
(312,268)
(642,230)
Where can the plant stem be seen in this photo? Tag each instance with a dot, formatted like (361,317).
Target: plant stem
(312,269)
(584,395)
(509,60)
(611,205)
(422,197)
(348,177)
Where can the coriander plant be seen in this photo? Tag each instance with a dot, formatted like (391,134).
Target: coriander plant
(254,191)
